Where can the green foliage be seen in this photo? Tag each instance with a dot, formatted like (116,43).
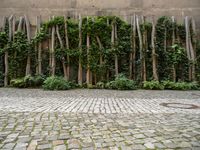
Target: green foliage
(73,84)
(1,79)
(100,85)
(171,55)
(168,84)
(38,80)
(19,83)
(198,59)
(121,83)
(56,83)
(153,85)
(90,86)
(177,54)
(27,81)
(163,32)
(198,77)
(18,51)
(180,85)
(3,41)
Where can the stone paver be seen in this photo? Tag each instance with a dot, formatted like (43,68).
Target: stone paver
(97,119)
(99,103)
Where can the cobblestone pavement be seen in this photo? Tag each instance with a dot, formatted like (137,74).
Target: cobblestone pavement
(98,119)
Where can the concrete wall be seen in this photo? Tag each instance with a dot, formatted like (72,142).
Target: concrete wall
(124,8)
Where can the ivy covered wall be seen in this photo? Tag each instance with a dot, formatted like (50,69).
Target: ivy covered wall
(92,49)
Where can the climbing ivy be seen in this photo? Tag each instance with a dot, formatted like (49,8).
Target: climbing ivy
(3,42)
(163,33)
(98,27)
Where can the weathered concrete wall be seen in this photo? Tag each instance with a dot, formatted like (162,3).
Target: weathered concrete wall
(124,8)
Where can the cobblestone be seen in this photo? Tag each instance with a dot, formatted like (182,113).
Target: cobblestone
(60,147)
(96,101)
(78,122)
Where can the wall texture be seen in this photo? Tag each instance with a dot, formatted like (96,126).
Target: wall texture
(124,8)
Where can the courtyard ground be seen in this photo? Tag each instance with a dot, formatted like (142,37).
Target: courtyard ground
(99,119)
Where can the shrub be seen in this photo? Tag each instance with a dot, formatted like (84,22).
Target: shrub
(153,85)
(168,84)
(198,75)
(100,85)
(194,86)
(19,83)
(84,85)
(121,83)
(56,83)
(39,80)
(73,84)
(90,86)
(1,79)
(27,81)
(180,85)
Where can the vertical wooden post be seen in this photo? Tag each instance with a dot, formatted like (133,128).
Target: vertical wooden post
(62,47)
(28,65)
(189,48)
(88,59)
(6,53)
(53,63)
(67,46)
(140,45)
(133,45)
(154,57)
(173,42)
(194,49)
(39,47)
(80,69)
(107,70)
(145,47)
(19,28)
(100,48)
(13,34)
(13,27)
(115,43)
(50,48)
